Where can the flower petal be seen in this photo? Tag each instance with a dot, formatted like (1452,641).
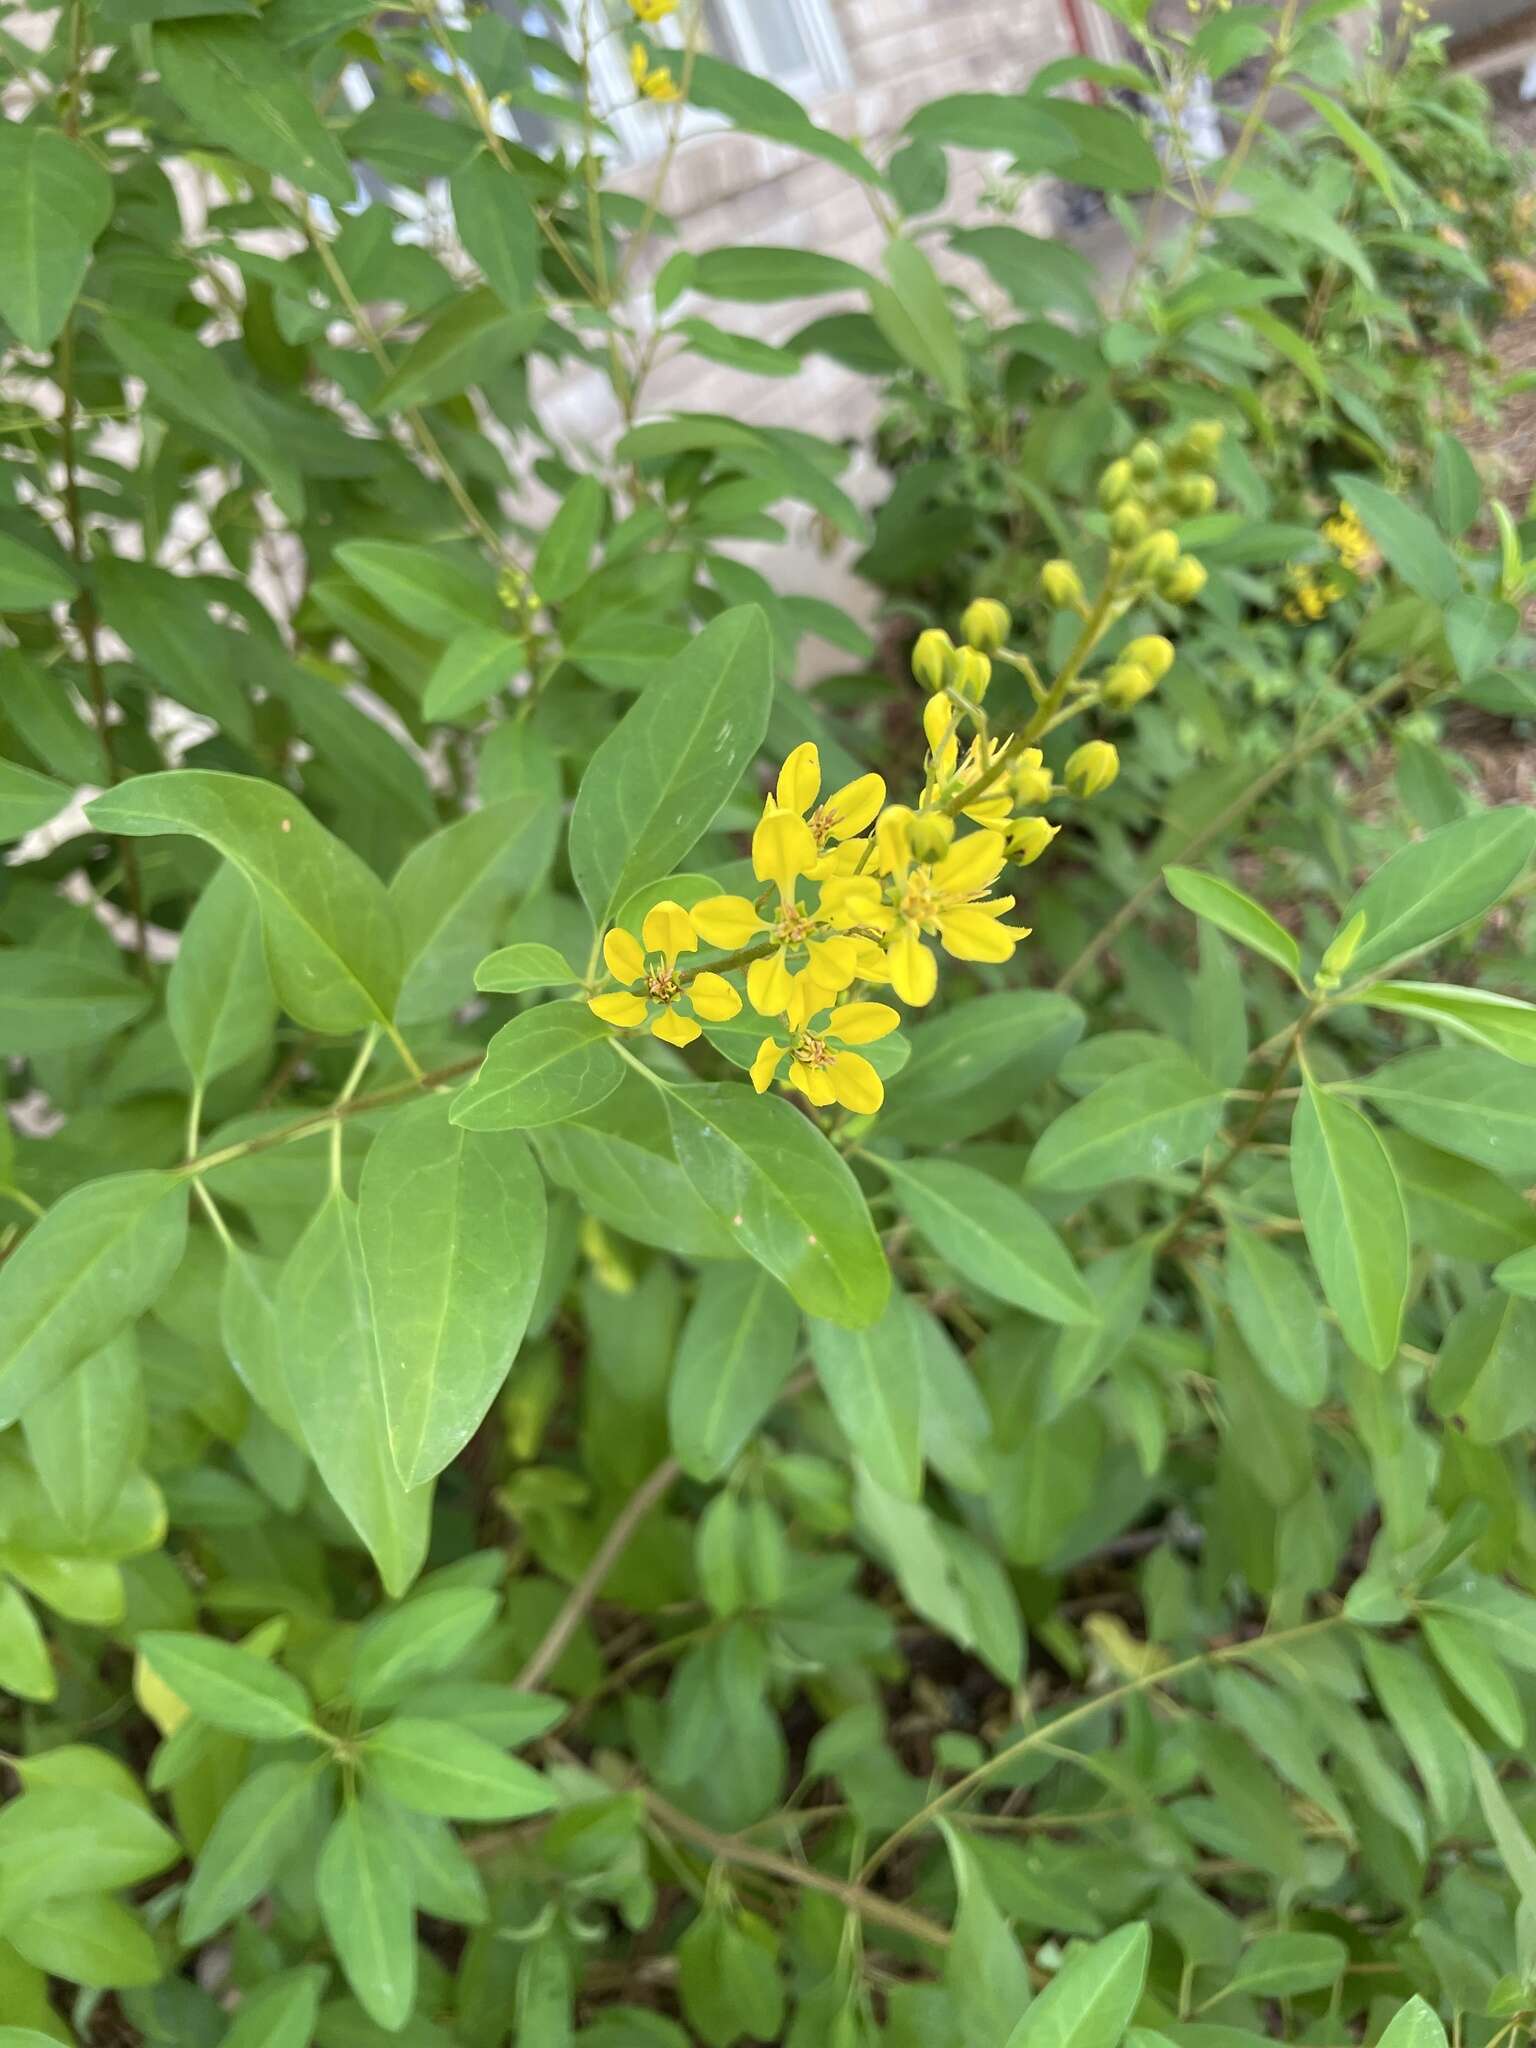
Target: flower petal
(799,779)
(970,864)
(713,998)
(854,806)
(726,921)
(833,962)
(622,1009)
(855,1084)
(766,1064)
(668,930)
(769,984)
(914,971)
(782,848)
(621,951)
(814,1083)
(850,899)
(674,1029)
(970,934)
(862,1023)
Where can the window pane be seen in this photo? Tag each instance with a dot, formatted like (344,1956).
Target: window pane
(720,33)
(782,48)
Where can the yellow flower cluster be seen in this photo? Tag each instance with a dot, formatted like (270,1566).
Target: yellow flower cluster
(653,81)
(652,10)
(1314,590)
(1518,281)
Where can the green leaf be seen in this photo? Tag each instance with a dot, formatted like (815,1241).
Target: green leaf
(165,621)
(363,1890)
(735,1354)
(1517,1274)
(229,1687)
(1517,1852)
(194,387)
(663,775)
(332,940)
(1439,883)
(1477,1104)
(1501,1024)
(421,1637)
(546,1065)
(472,337)
(52,1001)
(873,1381)
(513,970)
(98,1259)
(1112,154)
(1140,1123)
(241,94)
(60,1841)
(218,998)
(498,227)
(31,581)
(94,1941)
(992,1237)
(431,589)
(1091,2000)
(434,1767)
(1357,1230)
(85,1434)
(26,1669)
(1278,1315)
(1456,489)
(1039,276)
(1026,129)
(1433,1737)
(1372,157)
(27,800)
(476,663)
(565,552)
(1005,1042)
(758,107)
(1226,907)
(1415,2025)
(786,1197)
(331,1359)
(914,315)
(452,1229)
(1477,630)
(281,2012)
(1407,539)
(760,274)
(267,1819)
(452,892)
(55,199)
(1285,1965)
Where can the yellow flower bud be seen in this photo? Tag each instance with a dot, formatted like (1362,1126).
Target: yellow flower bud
(1029,780)
(1183,583)
(986,624)
(929,835)
(1156,555)
(1153,652)
(971,674)
(1126,684)
(1115,483)
(931,655)
(1127,525)
(1146,460)
(1028,838)
(1192,495)
(1202,444)
(1093,767)
(941,721)
(1061,586)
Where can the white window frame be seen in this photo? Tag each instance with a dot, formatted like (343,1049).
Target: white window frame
(641,126)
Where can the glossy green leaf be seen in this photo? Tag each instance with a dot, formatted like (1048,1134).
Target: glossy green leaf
(514,970)
(26,1669)
(431,589)
(1438,883)
(1284,1965)
(31,581)
(565,553)
(92,1941)
(1140,1123)
(498,227)
(235,88)
(279,2013)
(55,199)
(435,1767)
(229,1687)
(873,1381)
(421,1637)
(453,890)
(1225,906)
(85,1434)
(477,662)
(332,940)
(548,1064)
(1091,2000)
(473,336)
(1357,1228)
(51,1001)
(218,997)
(992,1237)
(661,778)
(1474,1103)
(330,1357)
(1279,1316)
(27,800)
(1501,1024)
(785,1196)
(735,1354)
(452,1225)
(268,1818)
(363,1890)
(60,1842)
(98,1258)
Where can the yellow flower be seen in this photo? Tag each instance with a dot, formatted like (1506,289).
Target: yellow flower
(948,776)
(846,812)
(784,850)
(820,1065)
(1028,838)
(653,10)
(653,987)
(655,82)
(1028,779)
(1351,543)
(946,899)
